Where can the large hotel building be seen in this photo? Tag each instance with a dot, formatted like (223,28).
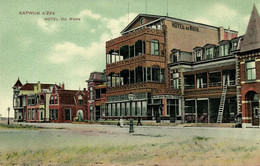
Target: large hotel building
(164,68)
(175,68)
(183,71)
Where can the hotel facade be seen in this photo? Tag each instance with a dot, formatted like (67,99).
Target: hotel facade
(182,71)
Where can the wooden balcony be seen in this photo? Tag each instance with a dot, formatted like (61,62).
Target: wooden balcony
(131,63)
(135,88)
(209,92)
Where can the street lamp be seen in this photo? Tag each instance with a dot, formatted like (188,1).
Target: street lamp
(131,125)
(8,109)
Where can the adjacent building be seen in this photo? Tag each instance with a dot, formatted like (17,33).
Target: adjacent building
(96,95)
(37,102)
(249,67)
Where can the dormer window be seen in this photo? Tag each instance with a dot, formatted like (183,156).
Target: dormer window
(142,21)
(198,55)
(80,100)
(223,50)
(209,53)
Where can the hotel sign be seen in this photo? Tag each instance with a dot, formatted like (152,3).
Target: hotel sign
(165,97)
(185,27)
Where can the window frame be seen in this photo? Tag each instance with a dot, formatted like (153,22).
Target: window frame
(155,47)
(250,69)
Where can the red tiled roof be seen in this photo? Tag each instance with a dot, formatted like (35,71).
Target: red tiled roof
(30,86)
(18,83)
(67,96)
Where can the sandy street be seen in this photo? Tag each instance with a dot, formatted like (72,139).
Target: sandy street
(84,144)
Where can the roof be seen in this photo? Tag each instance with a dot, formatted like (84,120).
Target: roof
(18,83)
(30,86)
(96,77)
(159,17)
(67,96)
(252,36)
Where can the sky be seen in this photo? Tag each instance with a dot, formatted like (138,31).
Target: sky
(56,51)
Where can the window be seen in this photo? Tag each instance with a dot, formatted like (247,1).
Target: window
(250,70)
(98,93)
(175,81)
(33,114)
(41,114)
(142,21)
(80,100)
(173,107)
(29,114)
(198,55)
(67,114)
(54,114)
(91,93)
(52,100)
(209,53)
(156,73)
(155,47)
(56,100)
(174,58)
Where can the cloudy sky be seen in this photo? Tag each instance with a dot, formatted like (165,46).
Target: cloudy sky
(49,51)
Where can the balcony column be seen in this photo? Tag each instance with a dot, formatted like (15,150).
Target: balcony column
(129,77)
(207,79)
(142,47)
(119,80)
(221,78)
(143,74)
(129,52)
(196,111)
(134,76)
(134,50)
(195,81)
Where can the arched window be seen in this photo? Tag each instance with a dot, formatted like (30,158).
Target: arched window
(80,100)
(155,47)
(56,100)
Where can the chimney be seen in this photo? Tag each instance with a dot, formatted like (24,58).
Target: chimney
(63,86)
(39,86)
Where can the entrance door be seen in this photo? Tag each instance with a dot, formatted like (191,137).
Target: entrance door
(255,114)
(80,116)
(253,107)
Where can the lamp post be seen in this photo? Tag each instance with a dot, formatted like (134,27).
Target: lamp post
(131,125)
(8,109)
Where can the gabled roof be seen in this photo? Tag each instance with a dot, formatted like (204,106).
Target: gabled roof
(252,36)
(67,96)
(137,17)
(18,83)
(156,18)
(30,86)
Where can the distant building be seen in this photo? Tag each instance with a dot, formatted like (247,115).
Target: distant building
(96,95)
(36,102)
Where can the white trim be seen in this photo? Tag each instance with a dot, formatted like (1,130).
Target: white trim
(139,27)
(245,102)
(246,118)
(202,98)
